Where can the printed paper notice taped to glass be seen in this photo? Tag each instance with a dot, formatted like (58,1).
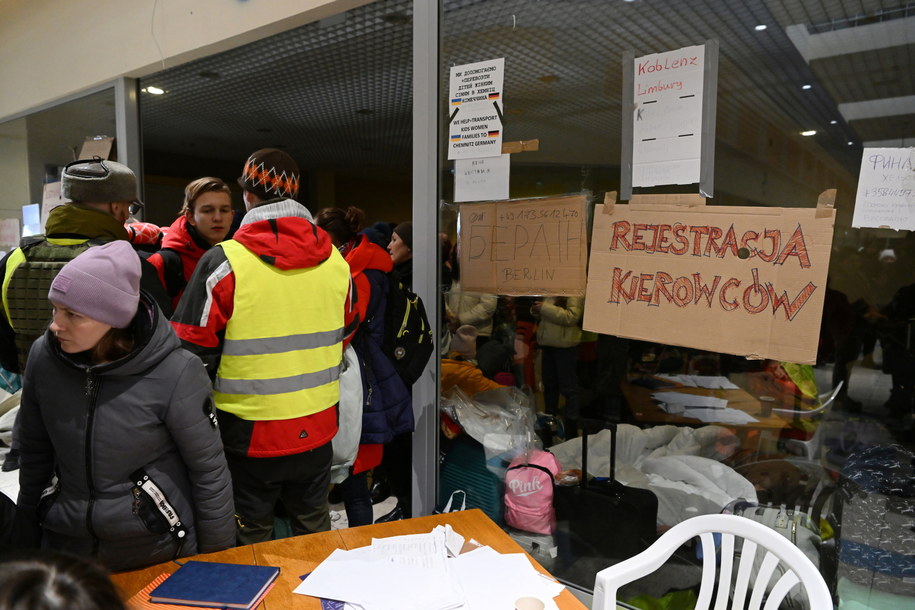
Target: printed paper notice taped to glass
(667,117)
(475,110)
(886,189)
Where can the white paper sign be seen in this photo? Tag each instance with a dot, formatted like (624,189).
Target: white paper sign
(886,189)
(475,94)
(667,121)
(476,132)
(481,179)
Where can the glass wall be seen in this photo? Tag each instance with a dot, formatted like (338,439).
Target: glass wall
(802,90)
(37,146)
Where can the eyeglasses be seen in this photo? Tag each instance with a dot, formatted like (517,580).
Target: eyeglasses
(135,207)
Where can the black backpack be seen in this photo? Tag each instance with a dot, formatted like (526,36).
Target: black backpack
(407,334)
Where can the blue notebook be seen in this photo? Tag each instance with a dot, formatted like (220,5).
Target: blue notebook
(215,585)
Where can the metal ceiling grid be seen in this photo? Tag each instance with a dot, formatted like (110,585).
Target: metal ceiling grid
(326,93)
(338,93)
(868,75)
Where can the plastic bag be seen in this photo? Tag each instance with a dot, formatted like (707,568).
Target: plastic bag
(502,420)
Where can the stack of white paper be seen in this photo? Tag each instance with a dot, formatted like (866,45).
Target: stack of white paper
(415,572)
(704,408)
(677,402)
(710,382)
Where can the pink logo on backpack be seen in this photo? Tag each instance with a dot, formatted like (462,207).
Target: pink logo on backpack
(529,492)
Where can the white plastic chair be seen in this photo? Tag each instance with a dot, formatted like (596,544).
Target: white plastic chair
(776,550)
(810,448)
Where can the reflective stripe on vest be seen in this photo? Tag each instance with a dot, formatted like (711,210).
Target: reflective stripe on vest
(283,347)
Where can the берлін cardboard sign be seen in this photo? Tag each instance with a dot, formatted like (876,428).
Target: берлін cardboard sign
(524,247)
(738,280)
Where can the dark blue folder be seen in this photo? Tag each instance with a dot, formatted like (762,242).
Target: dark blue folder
(215,585)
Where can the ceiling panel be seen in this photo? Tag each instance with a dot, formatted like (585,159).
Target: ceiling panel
(337,94)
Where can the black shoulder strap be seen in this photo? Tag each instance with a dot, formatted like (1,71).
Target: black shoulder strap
(173,271)
(537,466)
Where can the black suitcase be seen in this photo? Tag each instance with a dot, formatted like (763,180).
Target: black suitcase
(602,518)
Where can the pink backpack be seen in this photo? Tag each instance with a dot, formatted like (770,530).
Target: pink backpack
(529,492)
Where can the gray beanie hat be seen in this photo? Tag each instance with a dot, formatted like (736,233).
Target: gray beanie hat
(98,181)
(102,283)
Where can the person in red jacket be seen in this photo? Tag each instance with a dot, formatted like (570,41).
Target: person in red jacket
(204,221)
(387,408)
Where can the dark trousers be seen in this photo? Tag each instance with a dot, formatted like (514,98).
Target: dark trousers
(301,482)
(397,467)
(560,376)
(357,500)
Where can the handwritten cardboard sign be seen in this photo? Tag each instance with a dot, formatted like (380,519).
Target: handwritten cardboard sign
(886,189)
(738,280)
(524,247)
(667,117)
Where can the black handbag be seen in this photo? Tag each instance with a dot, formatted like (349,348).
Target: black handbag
(602,518)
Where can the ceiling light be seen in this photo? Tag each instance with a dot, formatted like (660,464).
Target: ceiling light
(833,122)
(809,132)
(850,143)
(154,90)
(760,27)
(805,87)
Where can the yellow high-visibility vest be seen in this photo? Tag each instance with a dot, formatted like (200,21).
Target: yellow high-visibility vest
(283,347)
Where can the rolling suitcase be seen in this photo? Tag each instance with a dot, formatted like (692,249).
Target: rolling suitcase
(602,518)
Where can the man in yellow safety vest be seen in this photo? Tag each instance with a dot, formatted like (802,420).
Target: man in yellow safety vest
(268,312)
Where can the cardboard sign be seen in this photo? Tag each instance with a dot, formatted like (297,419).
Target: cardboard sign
(97,146)
(524,247)
(886,189)
(9,233)
(745,281)
(667,117)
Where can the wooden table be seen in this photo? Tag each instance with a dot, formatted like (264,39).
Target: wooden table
(645,410)
(301,554)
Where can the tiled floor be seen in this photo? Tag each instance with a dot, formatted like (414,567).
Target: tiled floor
(870,387)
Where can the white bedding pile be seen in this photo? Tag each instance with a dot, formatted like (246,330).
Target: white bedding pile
(680,465)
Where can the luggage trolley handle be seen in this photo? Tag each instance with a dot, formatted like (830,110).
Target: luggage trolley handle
(589,424)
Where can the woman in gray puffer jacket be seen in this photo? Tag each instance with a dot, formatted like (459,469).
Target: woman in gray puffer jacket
(121,455)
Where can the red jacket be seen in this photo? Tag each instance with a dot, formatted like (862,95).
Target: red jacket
(190,246)
(281,235)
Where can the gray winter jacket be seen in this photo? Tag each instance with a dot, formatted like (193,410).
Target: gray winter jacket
(120,436)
